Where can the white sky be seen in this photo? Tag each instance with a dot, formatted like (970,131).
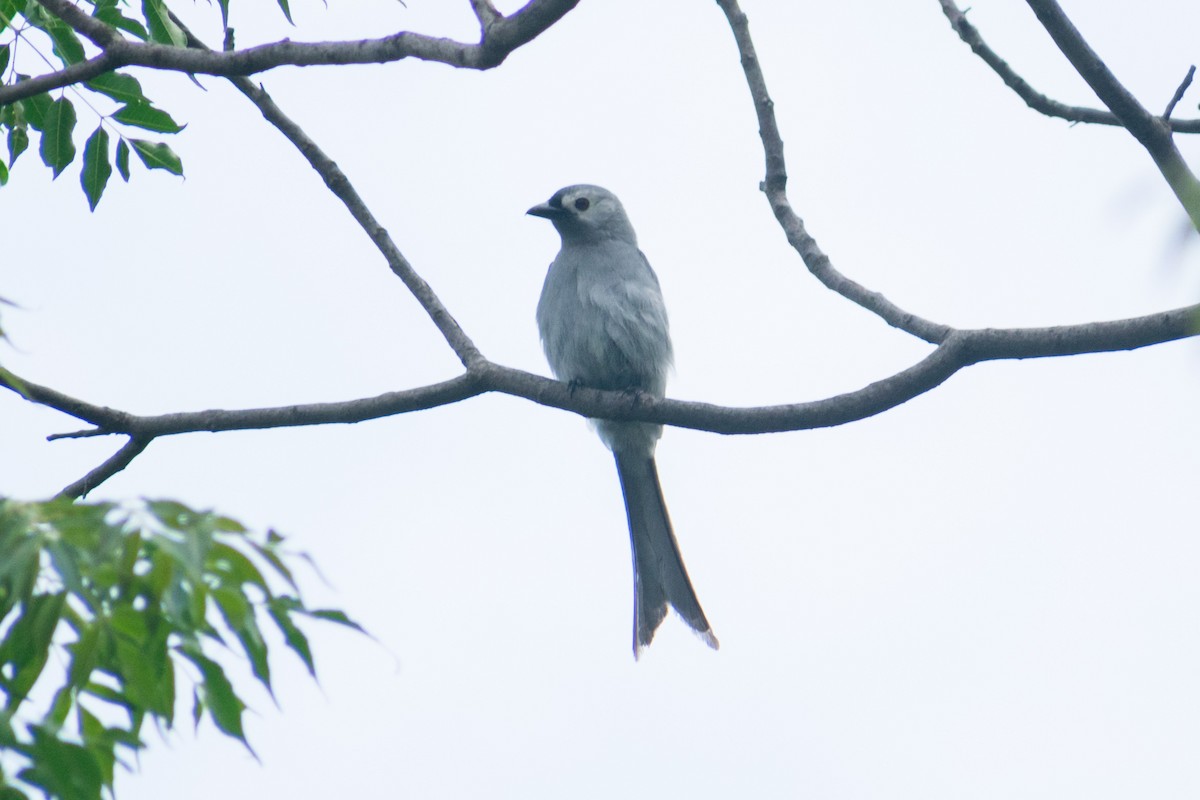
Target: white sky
(990,592)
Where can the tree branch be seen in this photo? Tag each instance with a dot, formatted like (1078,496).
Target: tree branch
(775,186)
(76,73)
(1152,132)
(500,38)
(487,15)
(1033,98)
(1179,92)
(97,32)
(956,348)
(106,420)
(117,462)
(959,349)
(348,412)
(341,187)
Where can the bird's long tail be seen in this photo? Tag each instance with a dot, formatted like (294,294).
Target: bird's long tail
(659,577)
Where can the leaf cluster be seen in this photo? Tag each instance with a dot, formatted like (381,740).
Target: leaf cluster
(27,29)
(133,600)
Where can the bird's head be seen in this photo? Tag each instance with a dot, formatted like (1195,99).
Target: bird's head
(585,213)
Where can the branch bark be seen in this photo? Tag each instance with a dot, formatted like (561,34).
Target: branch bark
(339,184)
(1032,97)
(960,349)
(1179,92)
(1152,132)
(775,187)
(955,349)
(501,36)
(117,462)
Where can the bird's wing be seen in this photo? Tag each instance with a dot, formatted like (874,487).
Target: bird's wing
(634,321)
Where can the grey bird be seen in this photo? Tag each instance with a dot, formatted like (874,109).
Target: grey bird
(604,325)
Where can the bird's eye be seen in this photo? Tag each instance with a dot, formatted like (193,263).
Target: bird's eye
(582,203)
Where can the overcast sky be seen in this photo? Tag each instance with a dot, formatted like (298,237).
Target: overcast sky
(992,591)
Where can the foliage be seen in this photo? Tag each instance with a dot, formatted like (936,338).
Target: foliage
(27,28)
(105,610)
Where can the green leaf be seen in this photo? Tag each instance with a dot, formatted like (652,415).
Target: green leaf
(239,616)
(156,155)
(228,525)
(8,11)
(109,695)
(287,12)
(162,28)
(123,160)
(144,663)
(67,46)
(96,168)
(5,51)
(111,14)
(292,636)
(18,142)
(144,115)
(57,148)
(120,87)
(333,615)
(224,4)
(59,709)
(271,557)
(234,568)
(63,770)
(101,740)
(27,645)
(85,656)
(36,110)
(19,563)
(64,558)
(8,737)
(222,702)
(172,513)
(189,546)
(3,174)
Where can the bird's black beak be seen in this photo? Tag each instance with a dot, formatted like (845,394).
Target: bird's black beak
(545,210)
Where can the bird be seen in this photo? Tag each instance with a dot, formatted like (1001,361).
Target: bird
(603,325)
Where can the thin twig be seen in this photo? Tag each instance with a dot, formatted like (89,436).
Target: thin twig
(775,186)
(1033,98)
(1175,98)
(341,188)
(89,433)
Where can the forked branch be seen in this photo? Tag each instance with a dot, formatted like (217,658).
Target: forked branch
(501,36)
(1032,97)
(955,349)
(1153,133)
